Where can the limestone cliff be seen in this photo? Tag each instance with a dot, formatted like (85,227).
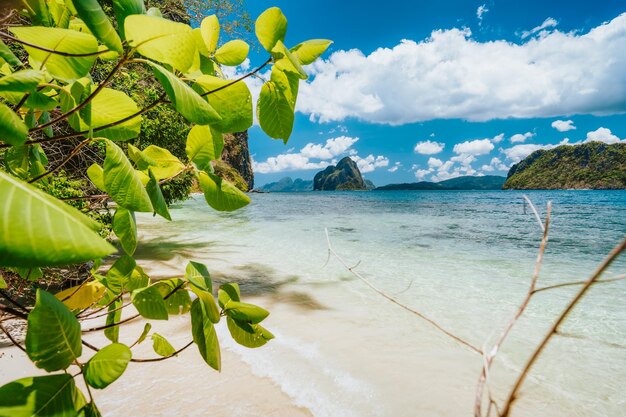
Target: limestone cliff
(236,165)
(344,176)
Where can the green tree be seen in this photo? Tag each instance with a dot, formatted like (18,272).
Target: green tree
(50,82)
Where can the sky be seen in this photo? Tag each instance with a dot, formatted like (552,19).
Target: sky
(426,91)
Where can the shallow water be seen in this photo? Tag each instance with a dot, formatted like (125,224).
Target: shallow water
(463,258)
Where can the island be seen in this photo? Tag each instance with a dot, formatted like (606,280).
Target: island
(486,182)
(343,176)
(593,165)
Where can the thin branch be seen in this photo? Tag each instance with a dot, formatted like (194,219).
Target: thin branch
(108,326)
(62,163)
(554,328)
(243,77)
(52,51)
(142,360)
(88,100)
(13,312)
(11,338)
(91,317)
(398,303)
(520,310)
(80,315)
(532,207)
(14,302)
(574,283)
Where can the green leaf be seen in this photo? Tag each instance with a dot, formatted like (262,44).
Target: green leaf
(308,51)
(156,197)
(271,27)
(248,335)
(161,346)
(107,365)
(61,40)
(149,303)
(96,175)
(81,296)
(233,102)
(198,275)
(138,279)
(21,81)
(8,56)
(38,12)
(53,338)
(140,159)
(41,396)
(12,128)
(227,293)
(122,182)
(114,316)
(99,24)
(204,335)
(246,312)
(274,111)
(120,273)
(285,61)
(3,283)
(125,229)
(210,30)
(108,107)
(144,334)
(50,231)
(208,302)
(221,194)
(177,302)
(186,101)
(90,410)
(162,40)
(165,165)
(125,8)
(204,145)
(232,53)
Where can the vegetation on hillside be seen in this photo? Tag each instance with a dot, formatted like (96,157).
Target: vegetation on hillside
(60,74)
(486,182)
(593,165)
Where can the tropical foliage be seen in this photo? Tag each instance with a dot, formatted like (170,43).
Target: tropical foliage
(47,81)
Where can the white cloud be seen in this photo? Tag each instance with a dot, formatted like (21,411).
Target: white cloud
(480,13)
(370,162)
(563,125)
(452,75)
(326,154)
(541,30)
(428,147)
(495,165)
(519,152)
(330,149)
(420,174)
(474,147)
(395,167)
(498,138)
(434,162)
(521,137)
(603,134)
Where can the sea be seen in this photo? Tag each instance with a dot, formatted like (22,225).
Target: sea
(463,259)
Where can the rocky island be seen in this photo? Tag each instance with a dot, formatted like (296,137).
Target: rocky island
(486,182)
(344,176)
(593,165)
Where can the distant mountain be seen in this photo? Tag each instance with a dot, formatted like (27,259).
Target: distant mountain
(594,165)
(487,182)
(286,185)
(344,176)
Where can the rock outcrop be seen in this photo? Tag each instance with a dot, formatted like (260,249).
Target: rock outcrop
(236,165)
(593,165)
(344,176)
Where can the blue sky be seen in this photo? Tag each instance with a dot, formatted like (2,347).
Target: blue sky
(432,90)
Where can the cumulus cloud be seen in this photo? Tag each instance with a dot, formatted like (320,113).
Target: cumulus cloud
(521,137)
(395,167)
(496,164)
(563,125)
(319,156)
(603,134)
(474,147)
(452,75)
(330,149)
(370,162)
(518,152)
(428,147)
(498,138)
(542,29)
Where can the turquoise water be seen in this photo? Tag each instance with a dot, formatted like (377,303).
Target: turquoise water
(463,258)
